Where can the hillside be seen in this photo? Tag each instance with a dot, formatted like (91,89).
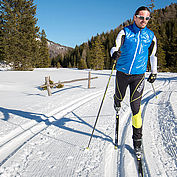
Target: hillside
(163,24)
(56,49)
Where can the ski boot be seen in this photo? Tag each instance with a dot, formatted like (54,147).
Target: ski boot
(138,153)
(139,156)
(137,148)
(117,106)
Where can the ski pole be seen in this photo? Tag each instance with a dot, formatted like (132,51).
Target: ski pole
(154,90)
(101,104)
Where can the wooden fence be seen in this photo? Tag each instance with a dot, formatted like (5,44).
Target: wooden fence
(49,85)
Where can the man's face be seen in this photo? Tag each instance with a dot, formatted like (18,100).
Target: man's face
(142,22)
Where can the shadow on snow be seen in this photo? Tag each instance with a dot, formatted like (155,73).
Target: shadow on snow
(61,123)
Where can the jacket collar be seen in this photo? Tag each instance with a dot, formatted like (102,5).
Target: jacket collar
(137,29)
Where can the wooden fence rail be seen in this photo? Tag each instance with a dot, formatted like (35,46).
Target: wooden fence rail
(48,85)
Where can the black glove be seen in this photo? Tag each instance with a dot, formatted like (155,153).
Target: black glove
(116,55)
(152,78)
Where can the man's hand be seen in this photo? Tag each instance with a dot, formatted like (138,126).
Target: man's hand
(116,55)
(152,78)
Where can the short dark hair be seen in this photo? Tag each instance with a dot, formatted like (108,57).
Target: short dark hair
(142,8)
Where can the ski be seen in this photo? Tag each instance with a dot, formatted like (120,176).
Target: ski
(117,130)
(140,166)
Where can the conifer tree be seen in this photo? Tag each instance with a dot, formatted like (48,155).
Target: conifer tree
(82,64)
(43,60)
(19,32)
(151,6)
(107,59)
(1,44)
(58,65)
(155,27)
(88,57)
(171,56)
(1,34)
(8,31)
(97,54)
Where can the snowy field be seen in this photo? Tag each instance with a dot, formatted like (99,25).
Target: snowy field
(47,136)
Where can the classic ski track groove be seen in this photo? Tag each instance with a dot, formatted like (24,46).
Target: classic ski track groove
(13,141)
(147,96)
(166,117)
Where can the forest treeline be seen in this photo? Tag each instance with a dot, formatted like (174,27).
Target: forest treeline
(23,47)
(95,53)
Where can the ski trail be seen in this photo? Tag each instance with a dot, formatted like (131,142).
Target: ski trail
(167,119)
(167,125)
(160,118)
(126,137)
(146,101)
(124,170)
(58,150)
(10,143)
(110,159)
(76,160)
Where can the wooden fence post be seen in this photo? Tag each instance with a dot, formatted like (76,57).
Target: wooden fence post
(89,78)
(48,86)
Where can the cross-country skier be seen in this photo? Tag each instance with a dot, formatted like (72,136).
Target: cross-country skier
(133,46)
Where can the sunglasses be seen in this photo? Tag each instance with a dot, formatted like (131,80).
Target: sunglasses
(142,18)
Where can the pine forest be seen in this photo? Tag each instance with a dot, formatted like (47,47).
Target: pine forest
(24,47)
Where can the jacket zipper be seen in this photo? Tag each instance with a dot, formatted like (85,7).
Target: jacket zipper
(135,52)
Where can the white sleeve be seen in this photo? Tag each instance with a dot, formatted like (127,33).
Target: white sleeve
(118,42)
(153,58)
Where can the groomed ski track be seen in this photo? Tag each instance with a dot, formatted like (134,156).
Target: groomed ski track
(123,159)
(33,143)
(10,143)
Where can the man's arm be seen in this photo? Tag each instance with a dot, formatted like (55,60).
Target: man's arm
(119,42)
(153,58)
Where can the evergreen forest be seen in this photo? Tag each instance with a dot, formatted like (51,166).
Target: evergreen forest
(95,53)
(24,47)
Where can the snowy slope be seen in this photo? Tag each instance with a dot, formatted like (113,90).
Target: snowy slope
(47,136)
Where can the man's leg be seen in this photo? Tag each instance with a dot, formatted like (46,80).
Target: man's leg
(136,91)
(120,89)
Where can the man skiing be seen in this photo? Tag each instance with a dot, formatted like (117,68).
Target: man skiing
(133,46)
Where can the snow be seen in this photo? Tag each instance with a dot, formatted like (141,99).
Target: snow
(46,136)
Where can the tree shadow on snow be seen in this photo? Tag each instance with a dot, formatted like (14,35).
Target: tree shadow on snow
(61,123)
(29,115)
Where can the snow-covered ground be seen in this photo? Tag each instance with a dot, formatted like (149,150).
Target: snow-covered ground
(47,136)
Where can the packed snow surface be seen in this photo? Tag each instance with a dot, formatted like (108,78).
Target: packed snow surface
(47,136)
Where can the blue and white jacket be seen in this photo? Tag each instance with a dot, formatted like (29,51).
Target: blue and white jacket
(135,45)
